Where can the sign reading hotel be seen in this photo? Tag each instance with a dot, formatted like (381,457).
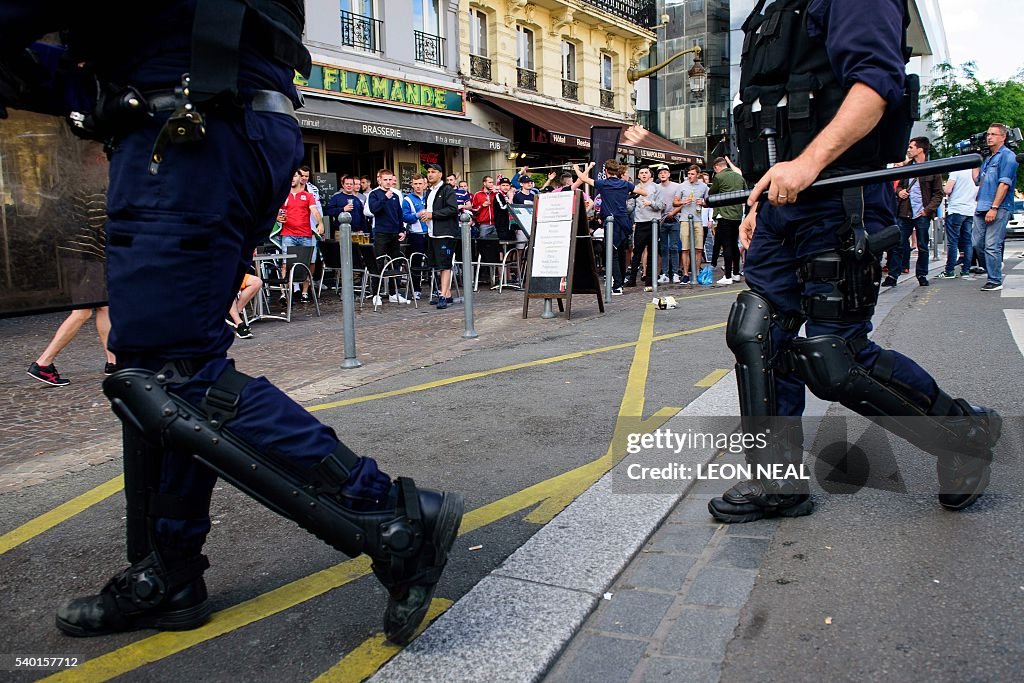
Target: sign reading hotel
(370,87)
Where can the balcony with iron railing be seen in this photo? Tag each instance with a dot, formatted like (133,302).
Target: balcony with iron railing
(480,67)
(526,78)
(429,48)
(607,99)
(361,32)
(637,12)
(570,90)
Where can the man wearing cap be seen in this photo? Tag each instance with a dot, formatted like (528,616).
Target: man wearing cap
(669,239)
(648,209)
(442,218)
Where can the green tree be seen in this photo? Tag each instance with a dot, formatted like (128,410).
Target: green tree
(962,105)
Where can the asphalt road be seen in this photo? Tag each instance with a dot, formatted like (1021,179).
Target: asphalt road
(487,437)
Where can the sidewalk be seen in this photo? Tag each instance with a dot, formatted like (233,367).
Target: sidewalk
(47,432)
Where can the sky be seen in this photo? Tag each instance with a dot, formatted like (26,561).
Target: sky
(990,32)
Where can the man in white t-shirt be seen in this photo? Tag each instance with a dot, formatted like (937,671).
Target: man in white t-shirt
(963,199)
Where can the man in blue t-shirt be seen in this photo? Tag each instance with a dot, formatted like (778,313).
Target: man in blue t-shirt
(614,192)
(995,180)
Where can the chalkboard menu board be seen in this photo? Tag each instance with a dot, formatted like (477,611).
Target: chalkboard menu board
(553,272)
(327,183)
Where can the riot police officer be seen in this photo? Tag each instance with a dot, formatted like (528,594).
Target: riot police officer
(823,93)
(196,104)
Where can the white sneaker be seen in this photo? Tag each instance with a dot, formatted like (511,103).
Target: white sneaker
(725,281)
(418,295)
(662,279)
(735,278)
(676,280)
(377,302)
(398,299)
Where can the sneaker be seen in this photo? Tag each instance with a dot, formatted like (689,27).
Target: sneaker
(966,275)
(889,281)
(417,295)
(377,301)
(947,276)
(398,299)
(923,281)
(109,369)
(662,279)
(243,331)
(442,303)
(283,300)
(989,287)
(47,375)
(686,279)
(305,297)
(977,270)
(617,291)
(735,278)
(629,283)
(676,280)
(725,281)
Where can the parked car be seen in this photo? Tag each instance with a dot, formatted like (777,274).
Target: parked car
(1015,228)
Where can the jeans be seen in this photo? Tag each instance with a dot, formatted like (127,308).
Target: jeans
(907,226)
(299,241)
(989,238)
(669,244)
(958,239)
(488,230)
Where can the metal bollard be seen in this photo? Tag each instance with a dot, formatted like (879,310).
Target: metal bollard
(936,229)
(655,256)
(467,276)
(693,250)
(609,226)
(348,297)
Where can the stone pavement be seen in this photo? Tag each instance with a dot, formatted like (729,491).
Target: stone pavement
(46,432)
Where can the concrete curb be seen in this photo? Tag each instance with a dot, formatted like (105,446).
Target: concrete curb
(513,624)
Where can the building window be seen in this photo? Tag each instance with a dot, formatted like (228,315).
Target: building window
(569,84)
(477,33)
(358,27)
(607,94)
(568,60)
(427,40)
(525,67)
(524,48)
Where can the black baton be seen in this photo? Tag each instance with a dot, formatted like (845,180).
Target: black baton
(840,182)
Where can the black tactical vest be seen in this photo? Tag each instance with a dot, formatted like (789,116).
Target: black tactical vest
(789,92)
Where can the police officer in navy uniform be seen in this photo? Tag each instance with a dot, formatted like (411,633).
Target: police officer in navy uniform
(197,106)
(824,92)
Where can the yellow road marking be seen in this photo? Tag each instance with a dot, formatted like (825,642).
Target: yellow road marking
(374,652)
(565,486)
(507,368)
(67,510)
(713,377)
(50,519)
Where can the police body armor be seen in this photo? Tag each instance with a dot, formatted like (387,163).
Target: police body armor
(789,93)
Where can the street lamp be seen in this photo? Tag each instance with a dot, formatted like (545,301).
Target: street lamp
(698,75)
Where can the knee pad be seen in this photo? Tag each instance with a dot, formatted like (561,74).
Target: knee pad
(315,498)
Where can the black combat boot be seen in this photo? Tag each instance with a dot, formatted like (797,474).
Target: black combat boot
(762,496)
(145,595)
(963,475)
(410,581)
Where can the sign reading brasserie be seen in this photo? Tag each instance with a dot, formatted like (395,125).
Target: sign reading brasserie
(359,85)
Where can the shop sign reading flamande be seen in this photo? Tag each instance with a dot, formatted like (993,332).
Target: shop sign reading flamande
(370,87)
